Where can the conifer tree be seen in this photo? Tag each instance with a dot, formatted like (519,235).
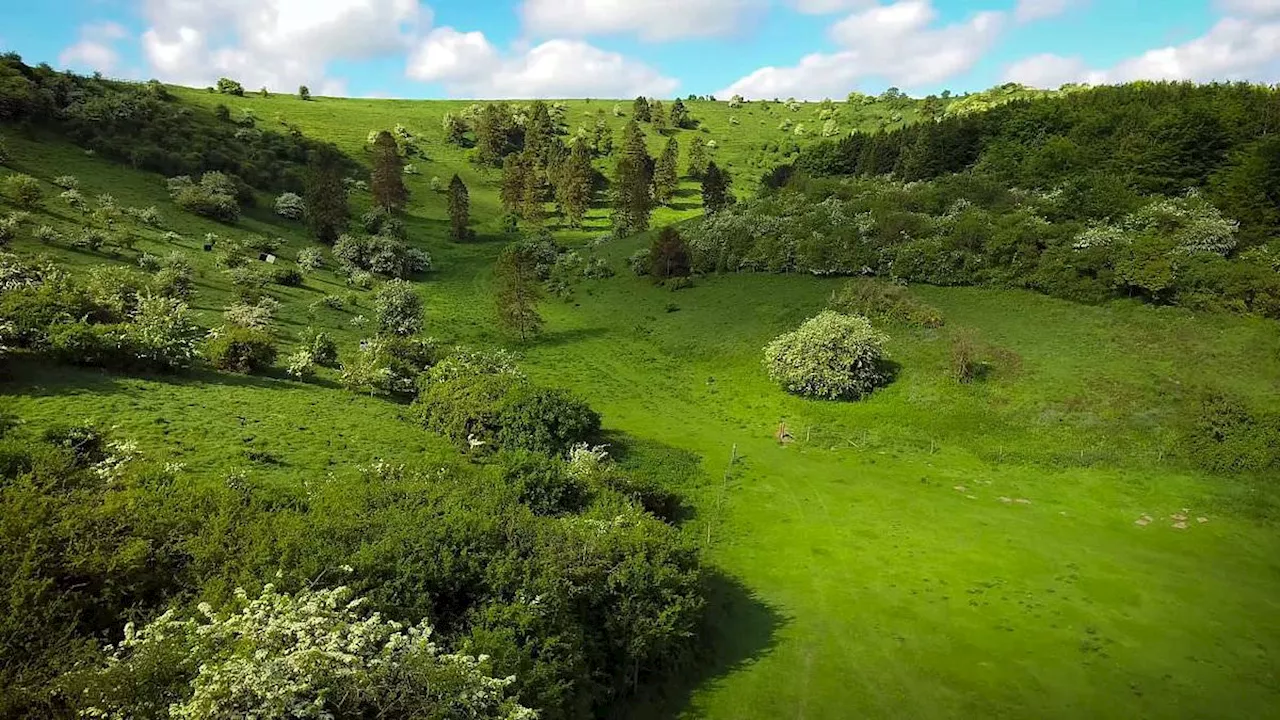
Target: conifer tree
(640,110)
(679,114)
(658,115)
(666,174)
(459,209)
(697,158)
(540,133)
(602,138)
(517,291)
(535,191)
(669,255)
(324,196)
(575,184)
(494,131)
(514,182)
(387,180)
(632,200)
(715,190)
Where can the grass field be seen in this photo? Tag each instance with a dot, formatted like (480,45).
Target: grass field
(876,571)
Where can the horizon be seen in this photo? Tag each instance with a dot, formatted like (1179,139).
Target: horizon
(760,49)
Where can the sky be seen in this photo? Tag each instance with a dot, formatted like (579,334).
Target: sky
(806,49)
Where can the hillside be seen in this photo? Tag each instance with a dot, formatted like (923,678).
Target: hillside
(994,548)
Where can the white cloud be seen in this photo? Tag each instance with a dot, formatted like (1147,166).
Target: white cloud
(823,7)
(1030,10)
(899,43)
(650,19)
(470,66)
(1252,8)
(95,51)
(1235,48)
(276,43)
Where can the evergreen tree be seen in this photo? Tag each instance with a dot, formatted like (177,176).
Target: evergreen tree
(715,190)
(575,184)
(679,115)
(602,138)
(697,158)
(535,191)
(495,134)
(455,129)
(304,92)
(666,174)
(459,209)
(658,115)
(669,255)
(324,195)
(514,182)
(517,291)
(387,180)
(640,110)
(540,133)
(632,201)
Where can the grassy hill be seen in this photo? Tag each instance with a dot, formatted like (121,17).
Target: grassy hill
(936,550)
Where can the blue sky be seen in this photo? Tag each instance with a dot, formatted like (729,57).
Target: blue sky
(621,48)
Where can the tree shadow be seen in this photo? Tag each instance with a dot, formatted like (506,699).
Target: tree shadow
(565,337)
(33,377)
(737,629)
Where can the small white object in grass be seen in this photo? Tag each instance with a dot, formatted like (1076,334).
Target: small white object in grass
(1202,519)
(1023,501)
(1142,521)
(960,488)
(1006,500)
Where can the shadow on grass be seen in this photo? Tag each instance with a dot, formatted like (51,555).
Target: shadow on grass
(32,377)
(566,337)
(738,629)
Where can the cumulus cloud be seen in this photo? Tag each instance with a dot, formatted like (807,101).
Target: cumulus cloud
(468,65)
(1244,46)
(650,19)
(900,43)
(95,51)
(1031,10)
(276,43)
(823,7)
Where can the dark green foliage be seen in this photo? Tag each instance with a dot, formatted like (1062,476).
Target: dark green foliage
(304,93)
(1224,435)
(240,350)
(497,134)
(886,302)
(326,197)
(668,255)
(141,125)
(387,179)
(575,183)
(507,412)
(215,196)
(715,189)
(518,289)
(640,111)
(287,276)
(459,210)
(618,592)
(680,115)
(632,184)
(666,174)
(227,86)
(542,482)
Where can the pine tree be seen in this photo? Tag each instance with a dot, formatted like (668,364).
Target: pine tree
(658,115)
(666,174)
(540,133)
(455,129)
(668,255)
(494,131)
(459,209)
(679,115)
(512,189)
(324,196)
(575,184)
(632,200)
(518,291)
(715,190)
(697,158)
(640,110)
(602,138)
(533,209)
(304,92)
(387,180)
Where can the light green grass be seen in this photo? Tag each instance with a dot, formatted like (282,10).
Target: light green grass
(875,588)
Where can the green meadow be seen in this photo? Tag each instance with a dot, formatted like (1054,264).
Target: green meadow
(937,550)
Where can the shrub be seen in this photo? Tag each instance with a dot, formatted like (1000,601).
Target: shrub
(73,198)
(387,365)
(639,262)
(239,349)
(830,356)
(546,420)
(321,348)
(287,276)
(310,259)
(290,205)
(886,302)
(255,316)
(92,345)
(215,196)
(247,282)
(227,86)
(67,182)
(967,361)
(543,483)
(8,230)
(316,654)
(669,255)
(4,151)
(1224,435)
(161,334)
(300,365)
(47,235)
(399,308)
(25,190)
(90,239)
(147,216)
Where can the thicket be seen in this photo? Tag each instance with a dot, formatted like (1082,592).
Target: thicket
(563,583)
(142,125)
(830,356)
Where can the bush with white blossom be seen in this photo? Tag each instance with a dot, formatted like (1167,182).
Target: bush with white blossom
(830,356)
